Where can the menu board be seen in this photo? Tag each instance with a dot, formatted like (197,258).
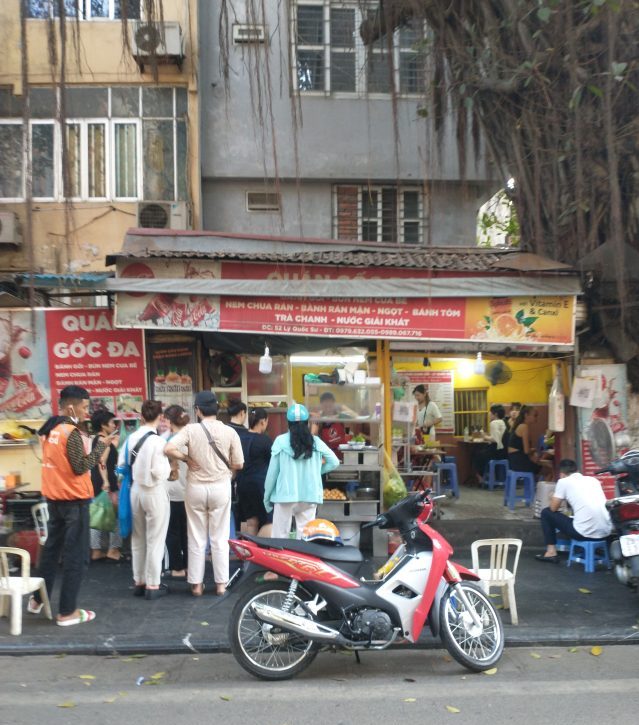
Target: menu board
(440,386)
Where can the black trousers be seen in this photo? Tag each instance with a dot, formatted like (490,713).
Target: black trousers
(553,520)
(176,537)
(68,536)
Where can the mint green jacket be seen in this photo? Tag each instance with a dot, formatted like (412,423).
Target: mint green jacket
(290,480)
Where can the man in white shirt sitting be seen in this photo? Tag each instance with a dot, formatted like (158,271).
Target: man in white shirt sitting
(588,503)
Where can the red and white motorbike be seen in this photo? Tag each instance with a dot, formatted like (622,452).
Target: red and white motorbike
(297,597)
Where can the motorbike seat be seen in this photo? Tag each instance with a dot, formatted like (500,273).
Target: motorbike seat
(346,554)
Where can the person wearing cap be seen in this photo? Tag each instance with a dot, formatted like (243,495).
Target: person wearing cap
(212,451)
(293,485)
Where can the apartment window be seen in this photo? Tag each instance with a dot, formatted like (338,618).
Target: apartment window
(121,143)
(88,9)
(471,410)
(331,58)
(384,214)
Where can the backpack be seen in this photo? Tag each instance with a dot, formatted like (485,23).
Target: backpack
(125,470)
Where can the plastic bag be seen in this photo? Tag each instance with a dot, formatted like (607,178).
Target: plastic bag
(102,513)
(125,514)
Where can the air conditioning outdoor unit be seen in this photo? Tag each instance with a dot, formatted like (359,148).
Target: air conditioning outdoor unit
(159,41)
(163,215)
(9,229)
(243,33)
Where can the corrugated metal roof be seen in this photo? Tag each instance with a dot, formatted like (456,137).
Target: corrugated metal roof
(147,244)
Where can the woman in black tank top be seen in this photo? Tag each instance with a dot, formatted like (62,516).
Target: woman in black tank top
(519,451)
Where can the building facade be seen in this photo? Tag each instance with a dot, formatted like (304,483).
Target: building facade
(306,132)
(111,134)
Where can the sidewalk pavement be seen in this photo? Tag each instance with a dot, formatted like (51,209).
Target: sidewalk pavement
(552,611)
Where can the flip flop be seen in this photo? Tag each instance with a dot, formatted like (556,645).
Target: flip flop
(85,615)
(34,607)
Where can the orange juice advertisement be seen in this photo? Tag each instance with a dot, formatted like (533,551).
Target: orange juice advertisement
(535,320)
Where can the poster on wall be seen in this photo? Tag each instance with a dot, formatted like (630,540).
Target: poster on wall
(172,373)
(86,349)
(24,377)
(604,425)
(440,385)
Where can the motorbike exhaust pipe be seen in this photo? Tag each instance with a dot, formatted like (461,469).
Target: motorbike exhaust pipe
(300,625)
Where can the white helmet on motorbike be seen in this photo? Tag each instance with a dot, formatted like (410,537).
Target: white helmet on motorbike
(321,531)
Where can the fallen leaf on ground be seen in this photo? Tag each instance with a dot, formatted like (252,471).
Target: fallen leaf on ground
(494,596)
(226,698)
(535,655)
(138,656)
(109,700)
(450,708)
(204,624)
(491,671)
(195,659)
(554,657)
(447,658)
(499,606)
(410,699)
(338,679)
(635,626)
(67,704)
(122,693)
(87,677)
(158,675)
(583,590)
(573,649)
(409,679)
(150,683)
(62,655)
(127,659)
(596,650)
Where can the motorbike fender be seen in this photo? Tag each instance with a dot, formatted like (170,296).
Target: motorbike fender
(433,615)
(251,575)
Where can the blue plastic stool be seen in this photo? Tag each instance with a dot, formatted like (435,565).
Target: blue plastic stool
(450,481)
(492,480)
(590,557)
(563,542)
(510,491)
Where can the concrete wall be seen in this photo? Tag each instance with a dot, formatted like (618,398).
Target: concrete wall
(453,210)
(338,139)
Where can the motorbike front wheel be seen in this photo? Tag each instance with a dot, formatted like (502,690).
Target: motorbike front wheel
(477,646)
(263,650)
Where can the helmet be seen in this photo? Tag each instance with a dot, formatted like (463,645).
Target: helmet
(321,531)
(297,413)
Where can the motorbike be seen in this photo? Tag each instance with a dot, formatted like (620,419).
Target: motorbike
(298,597)
(624,514)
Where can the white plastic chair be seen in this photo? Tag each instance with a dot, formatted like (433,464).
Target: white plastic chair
(497,574)
(13,588)
(40,513)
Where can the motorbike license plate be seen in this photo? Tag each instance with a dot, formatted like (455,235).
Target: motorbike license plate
(629,545)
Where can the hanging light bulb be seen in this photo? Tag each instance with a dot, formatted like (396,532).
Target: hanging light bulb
(479,368)
(266,362)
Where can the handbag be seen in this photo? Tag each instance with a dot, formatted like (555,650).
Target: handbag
(102,513)
(125,514)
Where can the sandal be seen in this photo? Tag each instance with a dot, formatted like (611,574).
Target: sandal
(34,607)
(84,615)
(197,589)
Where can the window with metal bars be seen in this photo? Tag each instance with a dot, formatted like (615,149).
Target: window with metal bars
(385,214)
(471,410)
(330,56)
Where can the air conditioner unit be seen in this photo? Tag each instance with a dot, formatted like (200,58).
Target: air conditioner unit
(163,215)
(243,33)
(159,41)
(9,229)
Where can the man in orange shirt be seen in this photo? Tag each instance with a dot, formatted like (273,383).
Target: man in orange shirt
(67,487)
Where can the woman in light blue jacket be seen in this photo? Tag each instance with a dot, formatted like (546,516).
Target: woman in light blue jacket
(293,485)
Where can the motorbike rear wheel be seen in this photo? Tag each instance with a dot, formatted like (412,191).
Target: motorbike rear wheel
(477,647)
(263,650)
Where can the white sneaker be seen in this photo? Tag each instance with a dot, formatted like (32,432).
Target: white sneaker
(33,607)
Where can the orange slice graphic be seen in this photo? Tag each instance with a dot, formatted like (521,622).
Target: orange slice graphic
(505,324)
